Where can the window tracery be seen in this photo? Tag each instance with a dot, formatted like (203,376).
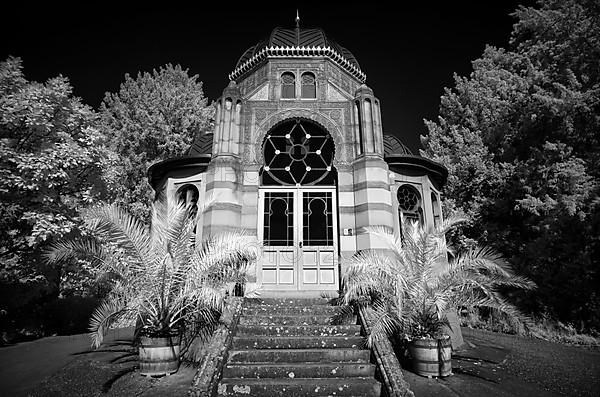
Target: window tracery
(298,152)
(288,85)
(309,85)
(409,204)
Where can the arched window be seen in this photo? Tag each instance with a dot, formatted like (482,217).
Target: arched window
(288,85)
(188,195)
(309,85)
(437,211)
(409,204)
(360,127)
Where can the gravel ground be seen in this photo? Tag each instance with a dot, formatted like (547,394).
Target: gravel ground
(499,365)
(112,371)
(565,370)
(491,365)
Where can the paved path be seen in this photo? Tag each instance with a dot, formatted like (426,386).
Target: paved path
(492,365)
(24,365)
(498,365)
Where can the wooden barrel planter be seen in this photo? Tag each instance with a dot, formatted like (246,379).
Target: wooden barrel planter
(159,355)
(431,357)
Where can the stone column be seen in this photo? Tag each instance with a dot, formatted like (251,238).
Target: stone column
(224,177)
(372,197)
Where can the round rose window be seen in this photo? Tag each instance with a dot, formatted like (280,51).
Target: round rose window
(298,152)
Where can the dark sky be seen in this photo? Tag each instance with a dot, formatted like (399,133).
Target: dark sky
(409,55)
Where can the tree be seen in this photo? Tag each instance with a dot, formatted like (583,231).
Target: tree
(51,165)
(520,138)
(153,117)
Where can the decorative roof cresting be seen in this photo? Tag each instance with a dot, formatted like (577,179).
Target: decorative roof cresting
(297,43)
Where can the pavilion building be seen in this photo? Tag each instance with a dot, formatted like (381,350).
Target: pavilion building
(298,157)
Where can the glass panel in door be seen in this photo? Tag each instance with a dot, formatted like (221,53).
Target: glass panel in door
(318,241)
(279,236)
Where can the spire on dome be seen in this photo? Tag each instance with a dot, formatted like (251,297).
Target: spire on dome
(297,28)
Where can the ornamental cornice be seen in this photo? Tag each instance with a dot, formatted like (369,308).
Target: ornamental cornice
(298,52)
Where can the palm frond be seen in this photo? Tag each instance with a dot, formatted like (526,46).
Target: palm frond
(115,225)
(413,284)
(384,322)
(160,275)
(102,318)
(86,247)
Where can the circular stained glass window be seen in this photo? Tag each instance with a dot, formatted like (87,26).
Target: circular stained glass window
(408,198)
(298,152)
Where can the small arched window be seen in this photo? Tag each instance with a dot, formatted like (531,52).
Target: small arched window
(437,211)
(309,85)
(360,127)
(188,196)
(288,85)
(409,204)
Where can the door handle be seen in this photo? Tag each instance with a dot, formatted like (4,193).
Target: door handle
(300,244)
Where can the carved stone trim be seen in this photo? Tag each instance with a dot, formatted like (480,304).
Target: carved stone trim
(340,155)
(298,52)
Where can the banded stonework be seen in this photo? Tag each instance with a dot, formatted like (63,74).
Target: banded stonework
(288,96)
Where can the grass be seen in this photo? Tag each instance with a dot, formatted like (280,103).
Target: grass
(543,328)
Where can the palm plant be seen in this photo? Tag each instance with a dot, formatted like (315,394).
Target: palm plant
(161,278)
(412,284)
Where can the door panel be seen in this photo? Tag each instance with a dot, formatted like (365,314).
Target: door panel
(319,239)
(300,239)
(279,236)
(278,267)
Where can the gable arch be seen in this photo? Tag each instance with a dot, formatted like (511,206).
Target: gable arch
(340,154)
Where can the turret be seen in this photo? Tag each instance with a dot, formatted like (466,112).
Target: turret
(367,123)
(227,122)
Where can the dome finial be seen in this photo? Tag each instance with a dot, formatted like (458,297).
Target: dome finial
(297,28)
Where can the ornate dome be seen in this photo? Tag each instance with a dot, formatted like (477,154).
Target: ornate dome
(297,42)
(400,159)
(195,161)
(393,146)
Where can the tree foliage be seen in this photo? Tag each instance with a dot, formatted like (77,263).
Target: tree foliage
(51,162)
(153,117)
(520,137)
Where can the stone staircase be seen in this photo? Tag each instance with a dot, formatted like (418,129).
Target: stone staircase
(292,347)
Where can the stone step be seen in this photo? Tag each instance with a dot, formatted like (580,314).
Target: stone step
(297,342)
(279,310)
(290,320)
(298,330)
(367,387)
(299,294)
(287,301)
(351,355)
(299,370)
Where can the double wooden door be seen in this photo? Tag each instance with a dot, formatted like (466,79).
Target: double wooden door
(298,227)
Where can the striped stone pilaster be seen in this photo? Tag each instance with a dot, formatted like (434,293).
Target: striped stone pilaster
(372,200)
(249,199)
(346,219)
(222,186)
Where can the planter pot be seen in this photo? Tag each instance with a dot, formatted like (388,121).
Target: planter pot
(431,357)
(159,355)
